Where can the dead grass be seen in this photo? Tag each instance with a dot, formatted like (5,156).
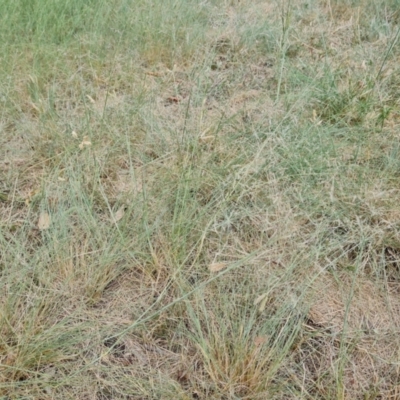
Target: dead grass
(219,182)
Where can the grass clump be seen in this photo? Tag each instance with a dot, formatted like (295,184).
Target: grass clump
(198,200)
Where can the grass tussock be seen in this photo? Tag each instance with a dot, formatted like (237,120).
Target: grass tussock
(199,200)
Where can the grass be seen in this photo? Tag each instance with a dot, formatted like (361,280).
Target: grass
(199,200)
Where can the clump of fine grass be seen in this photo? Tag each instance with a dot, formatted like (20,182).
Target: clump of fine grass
(198,200)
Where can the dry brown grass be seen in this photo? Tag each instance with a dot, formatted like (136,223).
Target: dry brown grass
(222,202)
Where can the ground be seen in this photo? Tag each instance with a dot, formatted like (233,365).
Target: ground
(199,200)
